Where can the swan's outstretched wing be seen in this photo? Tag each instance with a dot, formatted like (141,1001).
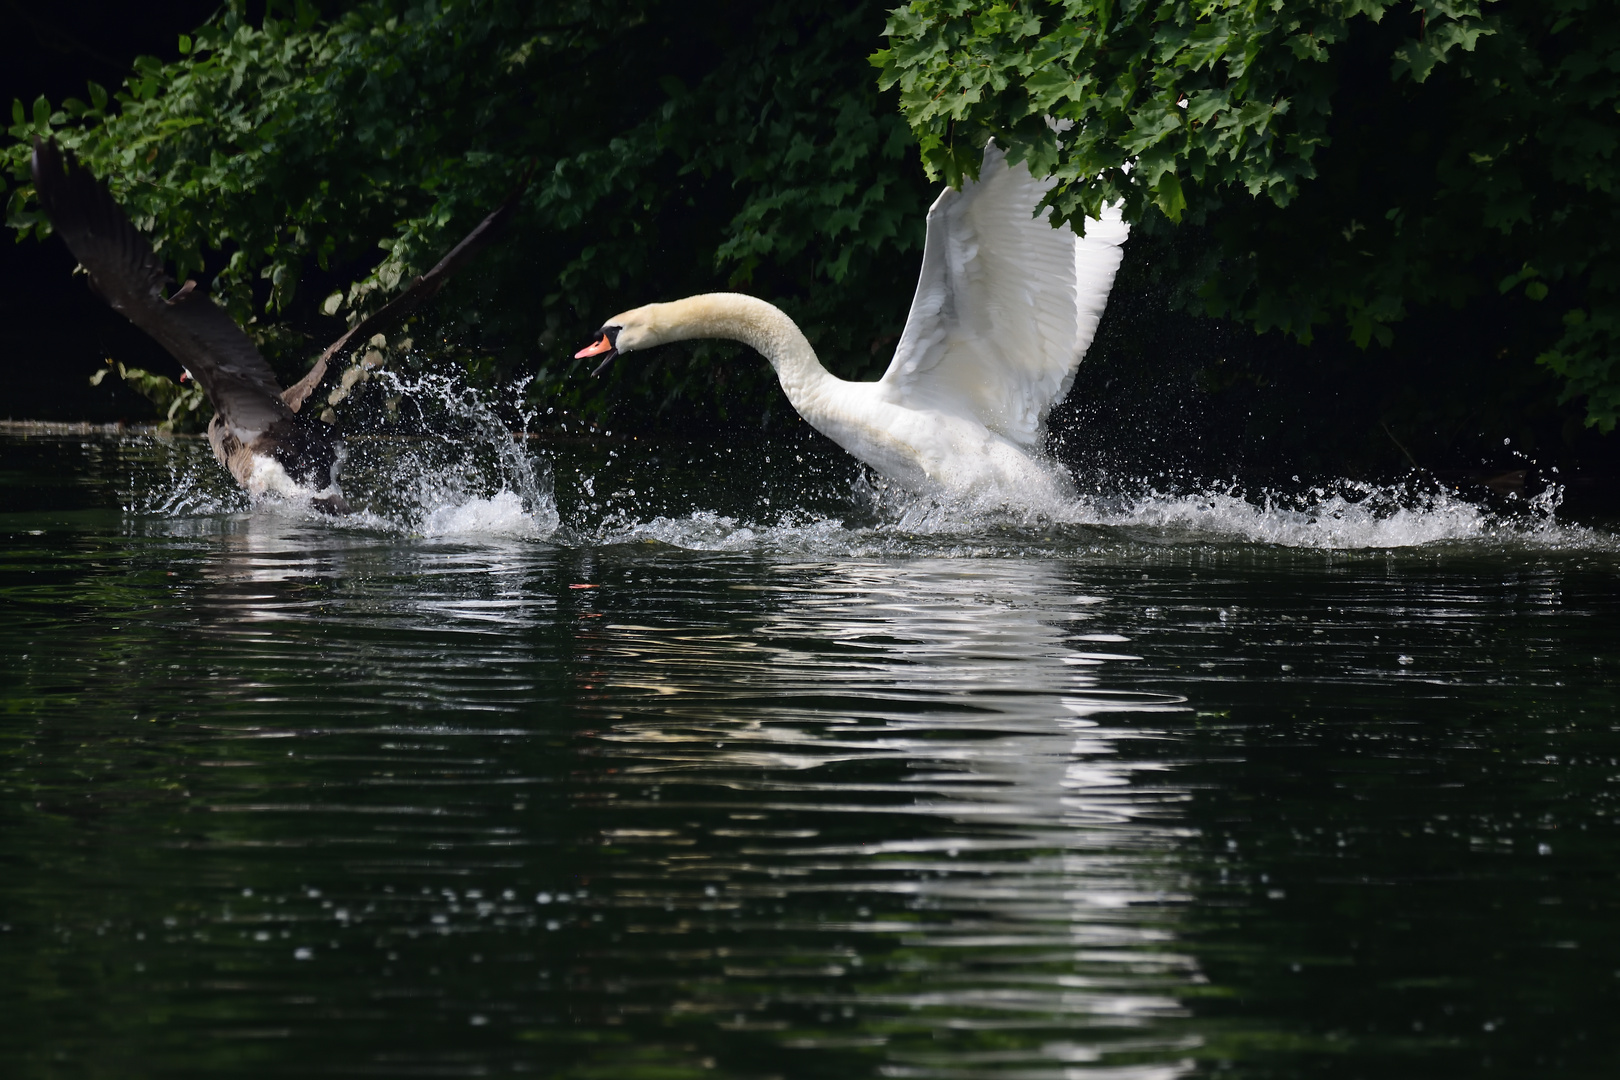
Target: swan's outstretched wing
(1006,305)
(127,273)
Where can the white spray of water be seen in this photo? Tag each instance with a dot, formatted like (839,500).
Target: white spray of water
(178,478)
(473,479)
(470,478)
(502,514)
(1347,516)
(706,530)
(1344,516)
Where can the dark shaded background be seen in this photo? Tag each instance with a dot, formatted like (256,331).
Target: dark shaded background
(56,333)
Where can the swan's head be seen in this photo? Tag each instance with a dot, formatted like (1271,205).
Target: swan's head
(639,328)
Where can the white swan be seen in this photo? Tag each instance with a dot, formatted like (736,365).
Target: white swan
(1004,311)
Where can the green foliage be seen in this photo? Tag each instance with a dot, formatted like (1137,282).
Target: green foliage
(1344,161)
(674,154)
(184,408)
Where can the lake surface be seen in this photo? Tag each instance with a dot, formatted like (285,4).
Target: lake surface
(619,761)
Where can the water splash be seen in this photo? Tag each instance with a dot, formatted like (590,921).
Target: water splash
(436,458)
(1346,516)
(444,462)
(502,514)
(175,477)
(708,530)
(430,457)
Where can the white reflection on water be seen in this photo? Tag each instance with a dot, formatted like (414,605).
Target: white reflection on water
(279,562)
(886,804)
(1026,861)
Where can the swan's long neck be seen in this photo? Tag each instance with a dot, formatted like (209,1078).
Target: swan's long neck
(761,326)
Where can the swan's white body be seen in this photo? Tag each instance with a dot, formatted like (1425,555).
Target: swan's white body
(1004,311)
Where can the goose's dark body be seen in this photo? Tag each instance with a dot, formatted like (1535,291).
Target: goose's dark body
(258,428)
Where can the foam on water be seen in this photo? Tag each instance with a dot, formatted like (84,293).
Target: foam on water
(1347,516)
(502,514)
(707,530)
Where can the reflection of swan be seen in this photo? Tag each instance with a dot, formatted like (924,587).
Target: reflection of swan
(920,753)
(1005,308)
(1000,641)
(257,431)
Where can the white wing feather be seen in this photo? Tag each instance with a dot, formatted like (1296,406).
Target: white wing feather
(1006,305)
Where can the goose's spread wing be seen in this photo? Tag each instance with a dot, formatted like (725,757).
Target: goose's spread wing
(127,273)
(1006,305)
(421,290)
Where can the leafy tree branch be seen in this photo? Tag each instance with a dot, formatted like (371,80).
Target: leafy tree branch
(1347,160)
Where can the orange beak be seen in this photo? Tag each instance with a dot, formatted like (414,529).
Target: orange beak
(596,348)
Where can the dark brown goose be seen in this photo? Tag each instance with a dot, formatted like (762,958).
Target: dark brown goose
(258,431)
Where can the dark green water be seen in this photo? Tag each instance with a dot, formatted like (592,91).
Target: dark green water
(698,795)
